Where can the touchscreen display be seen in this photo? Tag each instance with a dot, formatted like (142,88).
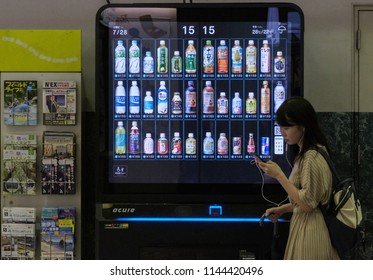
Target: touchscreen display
(189,93)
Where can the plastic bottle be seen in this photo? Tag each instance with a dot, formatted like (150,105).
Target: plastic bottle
(251,53)
(176,63)
(208,99)
(190,144)
(176,104)
(278,95)
(162,57)
(120,58)
(222,58)
(208,144)
(177,146)
(222,104)
(236,57)
(265,58)
(190,99)
(134,139)
(148,144)
(222,144)
(251,144)
(134,58)
(265,99)
(120,98)
(279,63)
(208,58)
(148,103)
(134,98)
(162,144)
(251,104)
(148,63)
(162,107)
(236,104)
(120,139)
(190,58)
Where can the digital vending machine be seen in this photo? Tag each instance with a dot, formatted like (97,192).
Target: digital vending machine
(185,93)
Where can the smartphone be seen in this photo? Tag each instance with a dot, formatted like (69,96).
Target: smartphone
(257,157)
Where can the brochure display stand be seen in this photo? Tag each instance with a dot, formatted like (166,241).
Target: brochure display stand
(40,146)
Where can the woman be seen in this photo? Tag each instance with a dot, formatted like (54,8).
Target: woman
(309,183)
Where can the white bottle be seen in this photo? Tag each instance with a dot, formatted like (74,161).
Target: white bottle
(190,144)
(148,63)
(236,57)
(222,104)
(120,99)
(162,107)
(148,144)
(120,58)
(134,58)
(134,98)
(278,95)
(208,144)
(148,103)
(265,58)
(237,104)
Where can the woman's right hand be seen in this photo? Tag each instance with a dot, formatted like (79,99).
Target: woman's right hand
(273,213)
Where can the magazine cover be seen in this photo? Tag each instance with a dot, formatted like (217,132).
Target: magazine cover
(19,164)
(58,163)
(18,241)
(20,102)
(59,103)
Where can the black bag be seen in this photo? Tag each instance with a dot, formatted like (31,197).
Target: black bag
(343,215)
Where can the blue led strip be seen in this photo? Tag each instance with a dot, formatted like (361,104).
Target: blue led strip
(176,219)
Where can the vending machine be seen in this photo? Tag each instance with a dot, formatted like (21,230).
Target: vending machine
(185,95)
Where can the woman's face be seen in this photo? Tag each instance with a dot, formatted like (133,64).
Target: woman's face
(293,134)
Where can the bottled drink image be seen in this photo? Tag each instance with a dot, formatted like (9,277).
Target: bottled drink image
(177,146)
(222,57)
(190,99)
(134,98)
(265,58)
(148,144)
(251,144)
(251,104)
(162,144)
(176,63)
(251,53)
(134,58)
(148,103)
(222,104)
(236,57)
(190,144)
(278,95)
(279,63)
(162,99)
(148,65)
(190,58)
(208,144)
(120,58)
(208,99)
(162,57)
(265,99)
(208,58)
(134,147)
(120,98)
(120,139)
(222,144)
(237,104)
(176,104)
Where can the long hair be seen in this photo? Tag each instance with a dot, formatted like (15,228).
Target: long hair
(298,111)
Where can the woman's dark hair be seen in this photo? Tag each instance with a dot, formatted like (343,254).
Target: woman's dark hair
(298,111)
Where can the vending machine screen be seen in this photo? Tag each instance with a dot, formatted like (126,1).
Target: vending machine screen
(187,93)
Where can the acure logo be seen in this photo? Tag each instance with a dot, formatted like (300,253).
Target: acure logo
(123,210)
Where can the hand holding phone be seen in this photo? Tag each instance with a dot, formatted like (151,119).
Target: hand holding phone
(257,157)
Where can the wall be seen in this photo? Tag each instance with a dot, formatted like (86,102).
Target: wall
(328,58)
